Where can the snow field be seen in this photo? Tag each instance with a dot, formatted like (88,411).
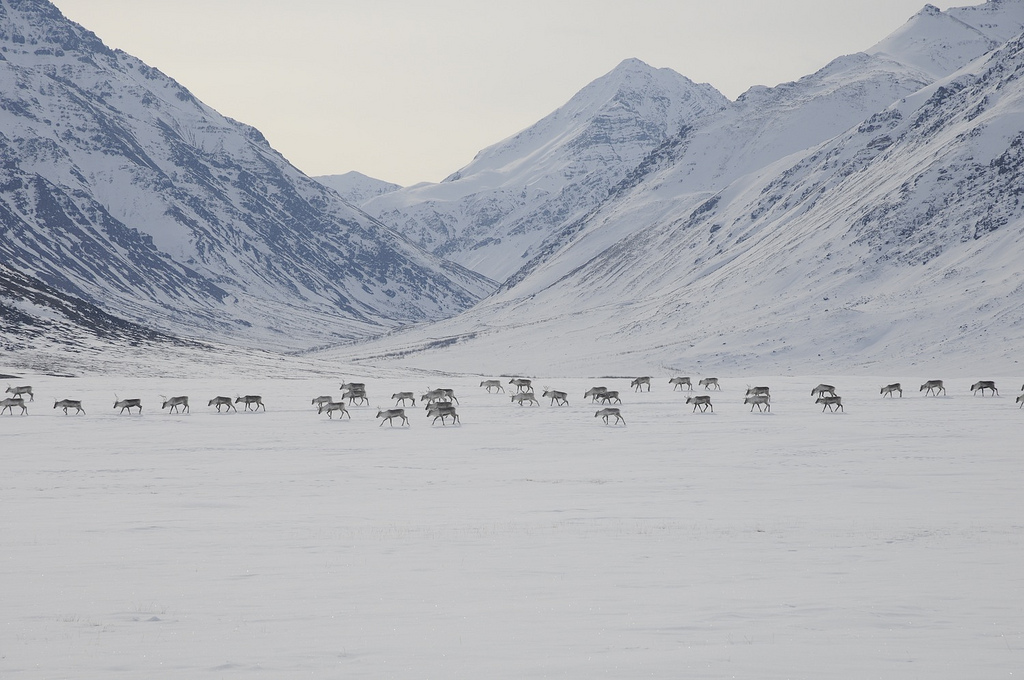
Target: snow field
(884,541)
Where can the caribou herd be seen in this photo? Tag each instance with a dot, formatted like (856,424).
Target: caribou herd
(440,403)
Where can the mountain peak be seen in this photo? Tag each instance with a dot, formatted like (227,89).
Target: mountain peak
(38,28)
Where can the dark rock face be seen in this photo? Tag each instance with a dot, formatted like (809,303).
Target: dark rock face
(119,187)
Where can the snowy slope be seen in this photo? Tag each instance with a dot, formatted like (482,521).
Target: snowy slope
(894,242)
(490,215)
(120,188)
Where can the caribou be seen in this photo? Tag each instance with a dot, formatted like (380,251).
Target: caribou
(492,384)
(607,413)
(16,392)
(223,401)
(821,389)
(594,393)
(638,383)
(330,407)
(174,403)
(561,397)
(607,396)
(889,389)
(390,414)
(69,403)
(352,386)
(127,404)
(830,403)
(354,393)
(932,387)
(984,385)
(702,401)
(251,399)
(322,399)
(678,383)
(758,400)
(442,410)
(520,397)
(433,395)
(757,391)
(522,384)
(706,383)
(402,397)
(9,404)
(1020,400)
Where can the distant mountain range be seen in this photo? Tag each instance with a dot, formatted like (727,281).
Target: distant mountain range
(119,187)
(866,215)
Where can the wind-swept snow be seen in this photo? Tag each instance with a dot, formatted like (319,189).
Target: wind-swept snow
(529,541)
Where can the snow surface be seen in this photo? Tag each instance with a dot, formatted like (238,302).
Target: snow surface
(885,541)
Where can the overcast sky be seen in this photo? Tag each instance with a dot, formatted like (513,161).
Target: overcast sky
(409,91)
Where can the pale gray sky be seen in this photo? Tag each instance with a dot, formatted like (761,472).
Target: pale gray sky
(409,91)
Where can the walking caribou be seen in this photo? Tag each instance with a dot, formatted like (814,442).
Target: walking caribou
(18,391)
(390,414)
(1020,400)
(174,403)
(492,384)
(127,404)
(638,383)
(607,413)
(402,397)
(706,383)
(356,393)
(755,391)
(223,401)
(702,401)
(821,389)
(678,383)
(984,385)
(442,410)
(9,404)
(322,399)
(332,406)
(69,403)
(352,386)
(561,397)
(594,393)
(607,396)
(889,389)
(932,387)
(830,403)
(522,384)
(441,393)
(525,396)
(758,400)
(251,399)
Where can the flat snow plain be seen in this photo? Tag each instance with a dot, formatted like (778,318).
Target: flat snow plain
(882,542)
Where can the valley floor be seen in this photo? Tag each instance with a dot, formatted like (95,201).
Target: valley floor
(535,541)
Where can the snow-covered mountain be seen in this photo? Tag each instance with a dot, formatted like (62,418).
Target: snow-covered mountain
(747,243)
(491,214)
(117,186)
(355,187)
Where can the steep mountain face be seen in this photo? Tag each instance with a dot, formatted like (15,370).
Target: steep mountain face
(491,215)
(119,187)
(894,243)
(524,199)
(357,188)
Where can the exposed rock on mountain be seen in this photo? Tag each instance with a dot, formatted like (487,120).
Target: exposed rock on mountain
(894,241)
(119,187)
(491,215)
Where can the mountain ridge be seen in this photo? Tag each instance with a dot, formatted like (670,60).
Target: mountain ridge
(121,188)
